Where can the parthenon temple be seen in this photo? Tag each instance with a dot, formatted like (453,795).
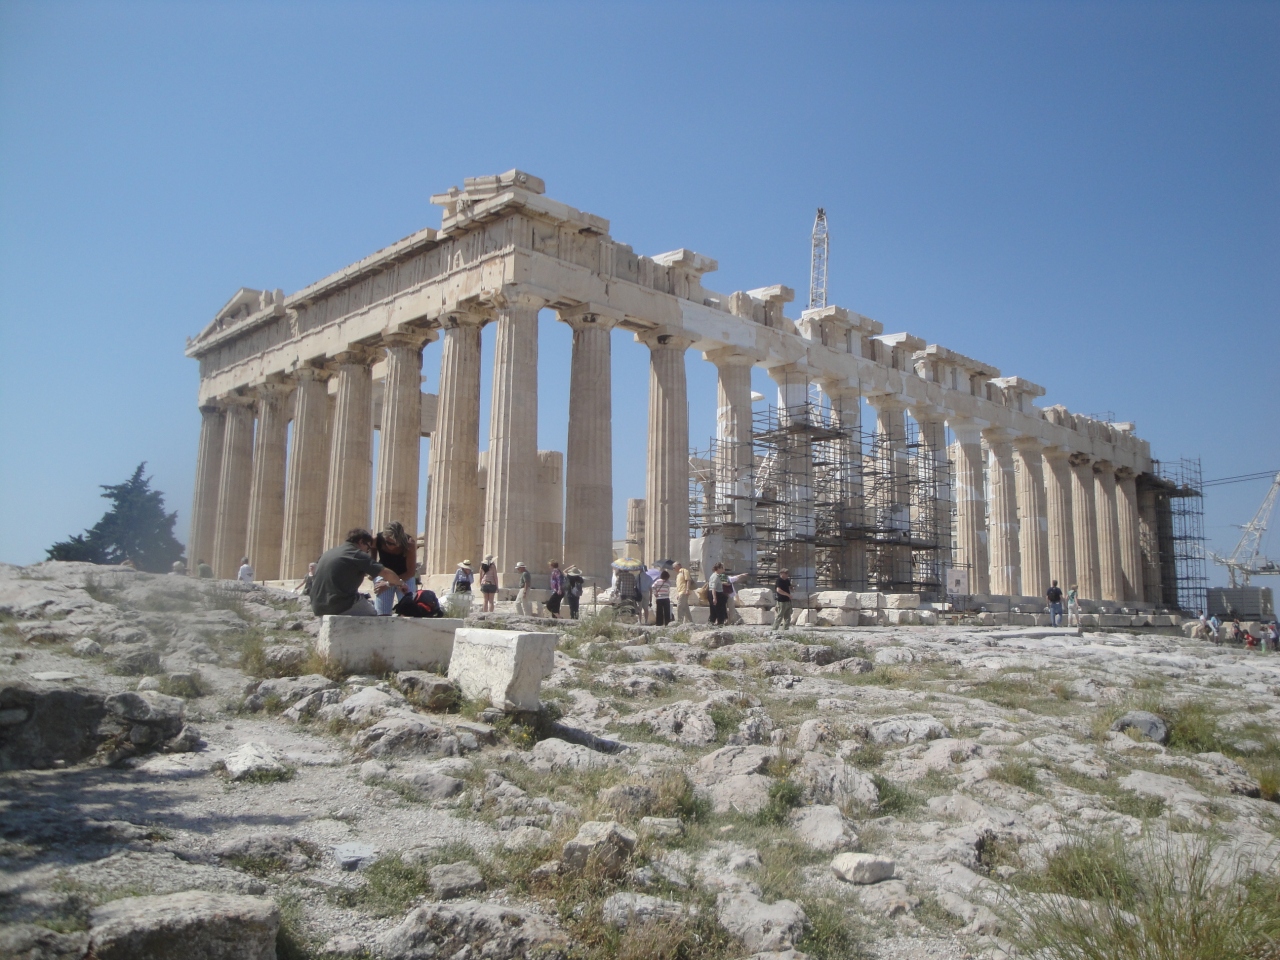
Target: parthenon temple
(885,463)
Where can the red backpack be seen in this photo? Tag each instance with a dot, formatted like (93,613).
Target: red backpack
(424,603)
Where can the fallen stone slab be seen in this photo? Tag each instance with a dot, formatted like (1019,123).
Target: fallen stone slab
(450,881)
(502,667)
(192,925)
(395,643)
(468,928)
(607,843)
(1145,723)
(862,867)
(253,759)
(623,909)
(40,725)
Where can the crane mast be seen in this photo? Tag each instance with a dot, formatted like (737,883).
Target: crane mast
(1246,559)
(818,262)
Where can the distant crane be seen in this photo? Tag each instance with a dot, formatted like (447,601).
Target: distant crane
(818,262)
(1246,560)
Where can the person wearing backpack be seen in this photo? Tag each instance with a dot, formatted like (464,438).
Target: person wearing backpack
(574,580)
(340,572)
(1054,596)
(488,583)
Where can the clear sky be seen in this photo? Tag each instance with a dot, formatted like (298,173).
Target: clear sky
(1083,194)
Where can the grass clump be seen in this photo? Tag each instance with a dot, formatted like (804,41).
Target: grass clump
(726,717)
(270,776)
(893,798)
(783,796)
(678,798)
(186,685)
(1174,900)
(871,755)
(1016,773)
(595,627)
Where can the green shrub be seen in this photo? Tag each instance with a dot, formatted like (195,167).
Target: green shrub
(893,798)
(783,796)
(1017,773)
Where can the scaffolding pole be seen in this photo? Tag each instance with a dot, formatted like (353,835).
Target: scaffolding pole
(1180,512)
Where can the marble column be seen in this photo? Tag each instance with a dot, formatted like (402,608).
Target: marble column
(798,552)
(1111,580)
(1085,525)
(588,517)
(933,473)
(266,497)
(351,448)
(735,458)
(234,485)
(454,526)
(307,482)
(400,441)
(846,413)
(1062,544)
(204,503)
(1149,541)
(1033,521)
(635,528)
(892,501)
(666,525)
(1002,536)
(510,532)
(1130,535)
(971,507)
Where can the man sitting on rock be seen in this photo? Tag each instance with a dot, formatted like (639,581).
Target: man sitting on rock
(335,587)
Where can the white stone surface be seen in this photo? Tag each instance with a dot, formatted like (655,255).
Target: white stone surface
(835,599)
(504,667)
(862,867)
(403,643)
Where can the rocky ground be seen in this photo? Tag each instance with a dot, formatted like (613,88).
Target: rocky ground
(174,748)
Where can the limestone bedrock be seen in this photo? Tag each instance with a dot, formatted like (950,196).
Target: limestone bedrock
(402,643)
(504,667)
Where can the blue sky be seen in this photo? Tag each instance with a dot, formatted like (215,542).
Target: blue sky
(1084,194)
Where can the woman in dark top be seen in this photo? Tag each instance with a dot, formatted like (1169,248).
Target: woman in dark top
(574,579)
(398,553)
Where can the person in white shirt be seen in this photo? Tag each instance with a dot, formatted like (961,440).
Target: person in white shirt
(245,573)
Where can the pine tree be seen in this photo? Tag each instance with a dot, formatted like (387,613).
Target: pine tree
(135,527)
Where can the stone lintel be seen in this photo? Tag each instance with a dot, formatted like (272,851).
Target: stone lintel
(908,343)
(594,314)
(774,294)
(665,337)
(687,261)
(1019,385)
(731,357)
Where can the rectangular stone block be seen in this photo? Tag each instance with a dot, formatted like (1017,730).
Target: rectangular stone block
(755,616)
(502,667)
(401,643)
(804,618)
(870,601)
(835,599)
(835,617)
(1114,620)
(701,615)
(899,617)
(755,597)
(1160,620)
(870,618)
(1088,619)
(901,601)
(928,618)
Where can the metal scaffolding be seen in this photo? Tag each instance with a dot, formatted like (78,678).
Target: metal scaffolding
(842,509)
(1180,529)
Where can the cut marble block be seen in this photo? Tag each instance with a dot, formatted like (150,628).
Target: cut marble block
(402,643)
(870,601)
(901,601)
(901,617)
(502,667)
(755,597)
(835,617)
(755,616)
(835,599)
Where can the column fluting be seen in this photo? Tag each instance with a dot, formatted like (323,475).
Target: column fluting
(667,470)
(588,519)
(1002,540)
(234,484)
(204,501)
(510,532)
(971,507)
(846,413)
(400,439)
(1062,544)
(307,480)
(1110,577)
(1033,521)
(892,466)
(1129,528)
(266,498)
(1085,526)
(453,507)
(351,448)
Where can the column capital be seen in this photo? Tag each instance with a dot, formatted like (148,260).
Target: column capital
(1125,473)
(840,389)
(211,407)
(783,373)
(416,338)
(1029,444)
(1078,459)
(271,389)
(731,357)
(925,413)
(966,429)
(1054,452)
(309,372)
(520,295)
(589,316)
(471,315)
(887,401)
(229,401)
(664,338)
(993,434)
(355,354)
(1103,466)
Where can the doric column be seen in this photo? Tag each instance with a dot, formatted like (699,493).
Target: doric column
(795,486)
(1002,535)
(1111,580)
(1149,540)
(510,533)
(307,483)
(846,414)
(454,506)
(932,521)
(734,459)
(1085,525)
(892,501)
(588,517)
(1033,521)
(233,488)
(400,441)
(266,497)
(204,503)
(1130,535)
(1062,543)
(666,524)
(971,506)
(635,528)
(351,448)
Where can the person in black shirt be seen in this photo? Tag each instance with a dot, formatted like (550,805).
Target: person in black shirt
(782,590)
(335,588)
(1055,605)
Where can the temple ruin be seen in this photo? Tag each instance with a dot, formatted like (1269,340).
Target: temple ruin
(956,485)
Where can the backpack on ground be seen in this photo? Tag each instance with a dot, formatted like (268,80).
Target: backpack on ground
(424,603)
